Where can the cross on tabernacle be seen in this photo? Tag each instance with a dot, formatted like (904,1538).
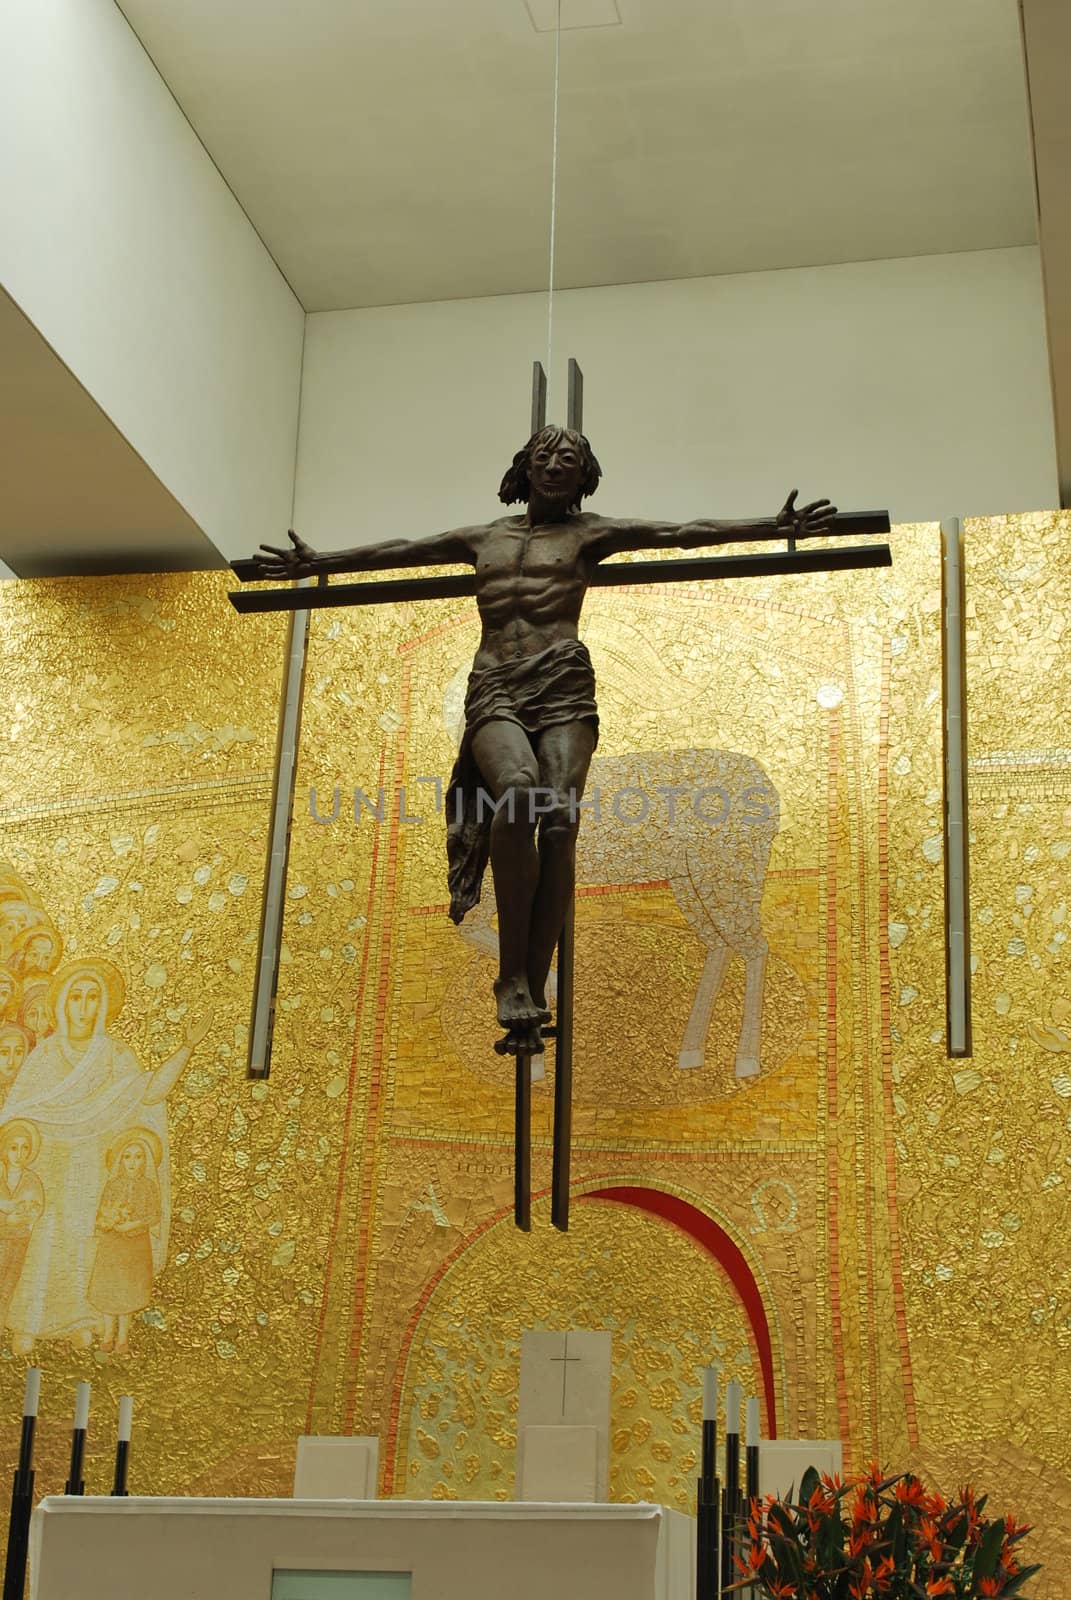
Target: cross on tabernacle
(521,1004)
(565,1358)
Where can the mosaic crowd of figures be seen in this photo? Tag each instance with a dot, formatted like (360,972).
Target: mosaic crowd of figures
(84,1172)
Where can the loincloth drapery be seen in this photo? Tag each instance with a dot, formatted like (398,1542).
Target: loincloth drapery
(536,692)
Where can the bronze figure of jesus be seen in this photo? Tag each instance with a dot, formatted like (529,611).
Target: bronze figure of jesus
(531,722)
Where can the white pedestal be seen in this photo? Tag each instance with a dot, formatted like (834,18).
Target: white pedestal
(336,1468)
(97,1548)
(565,1384)
(559,1463)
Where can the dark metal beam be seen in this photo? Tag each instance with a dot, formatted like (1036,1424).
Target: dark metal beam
(575,414)
(614,575)
(539,397)
(563,1075)
(522,1142)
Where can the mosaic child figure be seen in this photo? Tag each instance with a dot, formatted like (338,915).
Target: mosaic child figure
(121,1281)
(22,1201)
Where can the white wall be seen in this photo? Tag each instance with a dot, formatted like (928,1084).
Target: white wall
(918,384)
(123,245)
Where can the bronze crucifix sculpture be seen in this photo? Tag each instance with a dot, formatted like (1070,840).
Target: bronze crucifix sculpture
(531,722)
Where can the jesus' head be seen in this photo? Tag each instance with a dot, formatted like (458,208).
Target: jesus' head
(557,464)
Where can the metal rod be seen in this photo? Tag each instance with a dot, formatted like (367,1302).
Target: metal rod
(618,574)
(563,1073)
(522,1143)
(539,397)
(270,937)
(575,413)
(956,829)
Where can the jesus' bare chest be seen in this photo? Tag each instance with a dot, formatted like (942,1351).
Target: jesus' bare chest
(555,551)
(533,576)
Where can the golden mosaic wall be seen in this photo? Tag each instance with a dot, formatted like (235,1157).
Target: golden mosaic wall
(339,1250)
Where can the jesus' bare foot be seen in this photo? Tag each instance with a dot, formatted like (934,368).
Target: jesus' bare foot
(523,1039)
(516,1008)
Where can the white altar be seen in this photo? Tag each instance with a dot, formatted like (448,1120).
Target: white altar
(169,1549)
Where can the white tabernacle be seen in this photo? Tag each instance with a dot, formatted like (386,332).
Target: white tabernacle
(332,1467)
(100,1548)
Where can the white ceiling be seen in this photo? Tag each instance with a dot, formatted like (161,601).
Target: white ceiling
(398,150)
(1047,38)
(76,496)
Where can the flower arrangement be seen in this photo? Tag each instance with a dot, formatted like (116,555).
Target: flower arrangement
(878,1536)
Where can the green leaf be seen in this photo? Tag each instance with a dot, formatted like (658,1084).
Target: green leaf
(789,1558)
(985,1561)
(954,1533)
(811,1480)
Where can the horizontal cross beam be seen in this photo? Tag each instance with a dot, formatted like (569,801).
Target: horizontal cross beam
(613,575)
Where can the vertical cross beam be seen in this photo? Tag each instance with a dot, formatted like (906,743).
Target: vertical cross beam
(956,827)
(522,1088)
(563,1043)
(563,1031)
(269,942)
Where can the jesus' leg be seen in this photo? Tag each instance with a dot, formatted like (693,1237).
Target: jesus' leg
(564,753)
(508,764)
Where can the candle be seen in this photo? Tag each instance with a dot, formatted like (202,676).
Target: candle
(752,1421)
(732,1407)
(81,1407)
(126,1417)
(32,1397)
(710,1393)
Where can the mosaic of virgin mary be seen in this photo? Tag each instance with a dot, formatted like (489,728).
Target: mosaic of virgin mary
(81,1088)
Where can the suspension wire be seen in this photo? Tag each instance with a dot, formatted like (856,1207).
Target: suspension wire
(553,204)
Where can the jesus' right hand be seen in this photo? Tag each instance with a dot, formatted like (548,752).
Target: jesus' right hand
(297,561)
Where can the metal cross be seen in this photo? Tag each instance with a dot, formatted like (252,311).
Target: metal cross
(299,599)
(564,1359)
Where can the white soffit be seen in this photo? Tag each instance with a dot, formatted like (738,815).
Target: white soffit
(398,150)
(77,498)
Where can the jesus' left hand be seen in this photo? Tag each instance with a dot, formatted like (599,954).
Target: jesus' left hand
(805,522)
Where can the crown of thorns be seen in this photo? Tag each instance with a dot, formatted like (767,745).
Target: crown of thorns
(516,485)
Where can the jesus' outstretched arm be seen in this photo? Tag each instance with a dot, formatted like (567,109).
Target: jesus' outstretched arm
(299,560)
(791,522)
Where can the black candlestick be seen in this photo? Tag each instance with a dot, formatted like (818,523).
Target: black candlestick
(706,1564)
(707,1503)
(730,1505)
(708,1495)
(122,1447)
(122,1454)
(751,1475)
(75,1483)
(18,1532)
(710,1450)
